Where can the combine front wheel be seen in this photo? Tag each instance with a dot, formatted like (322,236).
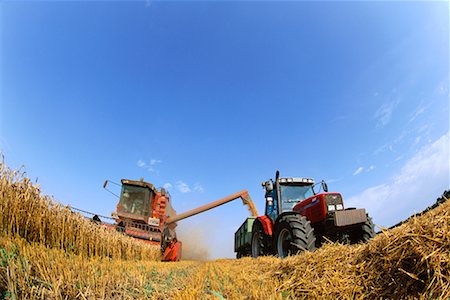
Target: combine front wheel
(293,234)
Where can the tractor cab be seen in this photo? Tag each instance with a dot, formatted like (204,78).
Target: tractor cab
(285,193)
(136,200)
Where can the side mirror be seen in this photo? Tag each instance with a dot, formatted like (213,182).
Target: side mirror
(269,186)
(106,183)
(324,186)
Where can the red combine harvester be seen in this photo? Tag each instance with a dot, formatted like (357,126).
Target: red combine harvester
(146,213)
(298,219)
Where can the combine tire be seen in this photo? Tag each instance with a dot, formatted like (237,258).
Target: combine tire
(293,234)
(364,233)
(259,244)
(120,227)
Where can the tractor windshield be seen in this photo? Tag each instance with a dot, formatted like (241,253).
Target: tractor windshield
(135,200)
(293,194)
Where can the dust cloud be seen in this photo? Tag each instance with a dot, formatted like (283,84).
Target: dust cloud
(195,245)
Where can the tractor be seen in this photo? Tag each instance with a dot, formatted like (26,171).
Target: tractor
(297,218)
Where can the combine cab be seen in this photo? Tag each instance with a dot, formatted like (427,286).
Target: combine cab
(141,210)
(146,213)
(297,218)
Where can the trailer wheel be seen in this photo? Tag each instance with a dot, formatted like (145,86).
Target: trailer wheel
(259,245)
(294,233)
(364,233)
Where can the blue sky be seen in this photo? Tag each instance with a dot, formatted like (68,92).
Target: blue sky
(209,98)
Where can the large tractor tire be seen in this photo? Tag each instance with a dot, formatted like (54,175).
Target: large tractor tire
(364,233)
(259,243)
(293,234)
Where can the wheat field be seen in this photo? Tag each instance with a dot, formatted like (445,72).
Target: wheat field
(48,252)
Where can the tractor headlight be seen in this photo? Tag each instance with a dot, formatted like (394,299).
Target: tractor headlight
(339,207)
(331,208)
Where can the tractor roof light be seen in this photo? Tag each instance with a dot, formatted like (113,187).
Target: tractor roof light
(296,180)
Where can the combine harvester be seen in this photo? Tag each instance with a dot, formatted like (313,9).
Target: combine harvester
(297,219)
(146,213)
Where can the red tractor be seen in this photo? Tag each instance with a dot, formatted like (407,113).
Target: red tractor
(297,218)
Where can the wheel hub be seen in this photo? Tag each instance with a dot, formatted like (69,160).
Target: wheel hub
(284,242)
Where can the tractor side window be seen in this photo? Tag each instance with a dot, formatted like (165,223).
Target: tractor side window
(309,193)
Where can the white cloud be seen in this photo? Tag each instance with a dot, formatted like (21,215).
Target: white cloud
(198,188)
(381,149)
(419,110)
(359,170)
(182,187)
(384,113)
(399,158)
(155,161)
(167,185)
(149,166)
(418,183)
(442,87)
(371,168)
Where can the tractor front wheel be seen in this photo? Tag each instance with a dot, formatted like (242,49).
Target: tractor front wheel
(294,233)
(364,233)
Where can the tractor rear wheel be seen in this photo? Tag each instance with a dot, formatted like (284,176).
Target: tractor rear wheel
(364,233)
(294,233)
(259,244)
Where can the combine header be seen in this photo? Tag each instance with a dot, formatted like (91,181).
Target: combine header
(146,213)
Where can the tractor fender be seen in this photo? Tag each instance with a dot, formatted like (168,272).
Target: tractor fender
(267,224)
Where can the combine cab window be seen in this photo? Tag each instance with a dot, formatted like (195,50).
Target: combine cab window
(135,200)
(293,194)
